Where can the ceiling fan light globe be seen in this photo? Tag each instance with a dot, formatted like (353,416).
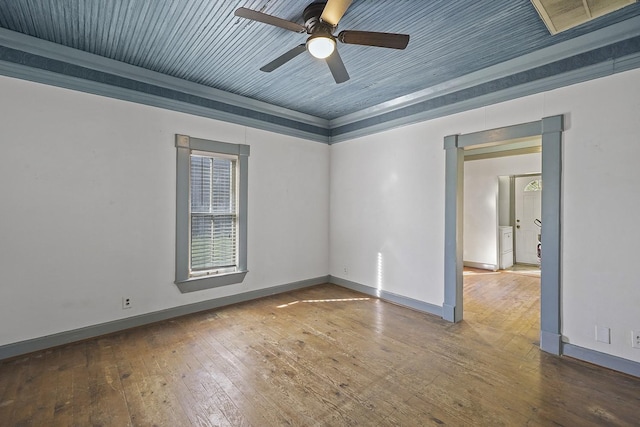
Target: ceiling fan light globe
(321,46)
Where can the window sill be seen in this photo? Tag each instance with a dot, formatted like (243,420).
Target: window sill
(210,282)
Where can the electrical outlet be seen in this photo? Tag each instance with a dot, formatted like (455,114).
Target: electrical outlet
(346,271)
(126,303)
(635,339)
(603,334)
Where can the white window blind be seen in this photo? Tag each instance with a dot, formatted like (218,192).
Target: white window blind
(213,214)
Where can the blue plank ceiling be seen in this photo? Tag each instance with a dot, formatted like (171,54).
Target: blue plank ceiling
(196,56)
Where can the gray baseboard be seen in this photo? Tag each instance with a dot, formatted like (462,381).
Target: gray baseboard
(601,359)
(550,343)
(41,343)
(388,296)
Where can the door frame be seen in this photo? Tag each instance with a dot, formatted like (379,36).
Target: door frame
(550,129)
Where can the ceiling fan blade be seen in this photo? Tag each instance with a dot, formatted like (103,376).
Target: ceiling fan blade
(333,11)
(282,59)
(370,38)
(337,67)
(254,15)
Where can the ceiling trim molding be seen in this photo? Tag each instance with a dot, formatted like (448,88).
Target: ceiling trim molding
(492,92)
(613,49)
(588,42)
(46,53)
(37,75)
(69,55)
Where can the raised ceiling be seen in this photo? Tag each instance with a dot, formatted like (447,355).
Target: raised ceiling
(202,42)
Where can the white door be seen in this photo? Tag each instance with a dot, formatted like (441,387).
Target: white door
(528,196)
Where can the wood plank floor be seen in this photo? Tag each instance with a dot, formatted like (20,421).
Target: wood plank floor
(323,356)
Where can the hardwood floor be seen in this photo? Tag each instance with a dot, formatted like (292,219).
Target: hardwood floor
(323,356)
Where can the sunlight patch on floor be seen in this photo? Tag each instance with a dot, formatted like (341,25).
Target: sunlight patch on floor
(323,300)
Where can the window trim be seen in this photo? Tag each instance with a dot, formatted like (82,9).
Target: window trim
(184,146)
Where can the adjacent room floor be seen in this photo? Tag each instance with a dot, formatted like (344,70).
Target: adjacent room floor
(323,356)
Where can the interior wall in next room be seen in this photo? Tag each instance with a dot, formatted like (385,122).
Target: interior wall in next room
(481,201)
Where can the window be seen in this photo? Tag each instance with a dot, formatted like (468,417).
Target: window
(211,210)
(213,214)
(535,185)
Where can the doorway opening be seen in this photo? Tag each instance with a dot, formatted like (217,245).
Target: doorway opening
(550,130)
(498,294)
(493,206)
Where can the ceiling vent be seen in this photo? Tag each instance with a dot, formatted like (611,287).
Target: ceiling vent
(560,15)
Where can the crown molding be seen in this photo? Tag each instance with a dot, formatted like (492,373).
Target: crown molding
(597,39)
(600,53)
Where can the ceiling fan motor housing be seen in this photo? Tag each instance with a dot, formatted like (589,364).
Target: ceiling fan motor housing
(312,21)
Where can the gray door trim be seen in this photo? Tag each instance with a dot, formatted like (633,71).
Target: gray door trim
(454,170)
(550,128)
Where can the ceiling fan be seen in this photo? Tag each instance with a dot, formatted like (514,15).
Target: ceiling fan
(320,21)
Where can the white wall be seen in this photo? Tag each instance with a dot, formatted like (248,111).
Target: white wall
(87,211)
(481,203)
(87,190)
(600,223)
(387,196)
